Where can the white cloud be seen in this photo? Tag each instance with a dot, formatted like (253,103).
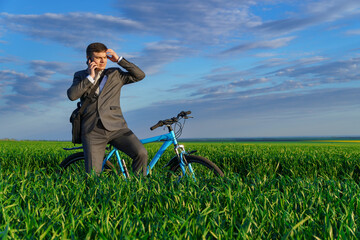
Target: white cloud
(156,54)
(317,12)
(194,22)
(21,91)
(266,44)
(72,29)
(322,71)
(353,32)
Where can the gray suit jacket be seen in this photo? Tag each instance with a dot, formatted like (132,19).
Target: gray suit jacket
(106,106)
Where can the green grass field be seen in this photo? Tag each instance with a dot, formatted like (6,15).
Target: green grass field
(298,190)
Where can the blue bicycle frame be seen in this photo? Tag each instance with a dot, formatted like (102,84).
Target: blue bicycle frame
(169,139)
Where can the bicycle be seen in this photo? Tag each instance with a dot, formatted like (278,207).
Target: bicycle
(182,164)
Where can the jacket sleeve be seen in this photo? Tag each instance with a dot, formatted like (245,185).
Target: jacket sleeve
(133,74)
(79,86)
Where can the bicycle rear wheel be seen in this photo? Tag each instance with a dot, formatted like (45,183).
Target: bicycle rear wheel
(202,168)
(76,163)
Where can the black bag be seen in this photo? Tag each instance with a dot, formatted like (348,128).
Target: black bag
(75,120)
(75,117)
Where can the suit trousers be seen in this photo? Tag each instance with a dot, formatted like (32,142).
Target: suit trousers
(94,144)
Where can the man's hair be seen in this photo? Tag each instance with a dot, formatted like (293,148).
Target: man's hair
(95,47)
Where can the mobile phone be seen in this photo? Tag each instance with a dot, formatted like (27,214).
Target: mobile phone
(88,61)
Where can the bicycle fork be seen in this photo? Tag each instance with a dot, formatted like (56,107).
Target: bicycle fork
(180,152)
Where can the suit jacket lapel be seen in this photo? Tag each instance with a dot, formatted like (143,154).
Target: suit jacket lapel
(109,80)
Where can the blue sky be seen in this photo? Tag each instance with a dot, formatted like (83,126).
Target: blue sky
(245,68)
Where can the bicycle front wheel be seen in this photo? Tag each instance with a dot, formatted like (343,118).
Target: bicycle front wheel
(202,167)
(76,163)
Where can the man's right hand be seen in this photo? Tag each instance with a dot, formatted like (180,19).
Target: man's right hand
(91,68)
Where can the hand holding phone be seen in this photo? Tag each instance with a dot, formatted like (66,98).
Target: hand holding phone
(91,67)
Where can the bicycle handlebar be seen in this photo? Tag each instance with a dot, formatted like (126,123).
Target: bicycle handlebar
(170,121)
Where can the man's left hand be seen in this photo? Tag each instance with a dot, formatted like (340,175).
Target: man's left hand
(112,55)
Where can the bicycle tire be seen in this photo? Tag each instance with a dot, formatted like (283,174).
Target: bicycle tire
(196,162)
(79,159)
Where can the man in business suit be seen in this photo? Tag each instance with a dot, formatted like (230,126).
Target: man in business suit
(102,120)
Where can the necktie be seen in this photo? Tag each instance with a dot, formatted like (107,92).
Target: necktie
(97,76)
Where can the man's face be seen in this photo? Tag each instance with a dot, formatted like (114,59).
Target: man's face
(100,59)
